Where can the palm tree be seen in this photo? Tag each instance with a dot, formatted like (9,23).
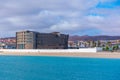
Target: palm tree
(98,43)
(109,44)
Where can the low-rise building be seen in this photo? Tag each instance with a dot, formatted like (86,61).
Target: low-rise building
(7,46)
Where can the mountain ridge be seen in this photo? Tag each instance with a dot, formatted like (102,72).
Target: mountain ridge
(83,38)
(95,38)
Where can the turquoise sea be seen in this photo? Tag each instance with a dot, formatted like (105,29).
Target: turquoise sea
(58,68)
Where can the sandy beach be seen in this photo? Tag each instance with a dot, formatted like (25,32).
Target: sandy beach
(62,54)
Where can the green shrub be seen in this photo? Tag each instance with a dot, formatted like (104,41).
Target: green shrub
(103,49)
(107,48)
(116,47)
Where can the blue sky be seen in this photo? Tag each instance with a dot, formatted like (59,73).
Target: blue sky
(75,17)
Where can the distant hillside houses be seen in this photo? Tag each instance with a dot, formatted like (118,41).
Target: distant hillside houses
(8,43)
(91,43)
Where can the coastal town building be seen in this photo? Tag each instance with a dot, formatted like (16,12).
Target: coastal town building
(91,44)
(81,44)
(26,40)
(36,40)
(53,40)
(8,43)
(7,46)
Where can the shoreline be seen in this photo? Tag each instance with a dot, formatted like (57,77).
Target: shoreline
(114,55)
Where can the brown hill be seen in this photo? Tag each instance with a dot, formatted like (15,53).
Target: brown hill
(74,38)
(95,38)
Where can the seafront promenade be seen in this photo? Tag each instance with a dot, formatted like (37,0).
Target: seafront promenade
(93,50)
(63,54)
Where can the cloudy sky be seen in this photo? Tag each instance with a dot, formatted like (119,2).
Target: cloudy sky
(75,17)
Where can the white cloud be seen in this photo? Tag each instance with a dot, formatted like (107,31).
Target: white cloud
(57,15)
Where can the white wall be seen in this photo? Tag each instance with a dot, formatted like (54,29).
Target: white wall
(99,49)
(53,50)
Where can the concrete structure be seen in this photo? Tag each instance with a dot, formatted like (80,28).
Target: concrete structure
(53,40)
(93,50)
(81,44)
(7,46)
(26,40)
(36,40)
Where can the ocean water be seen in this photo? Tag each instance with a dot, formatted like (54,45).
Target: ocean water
(58,68)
